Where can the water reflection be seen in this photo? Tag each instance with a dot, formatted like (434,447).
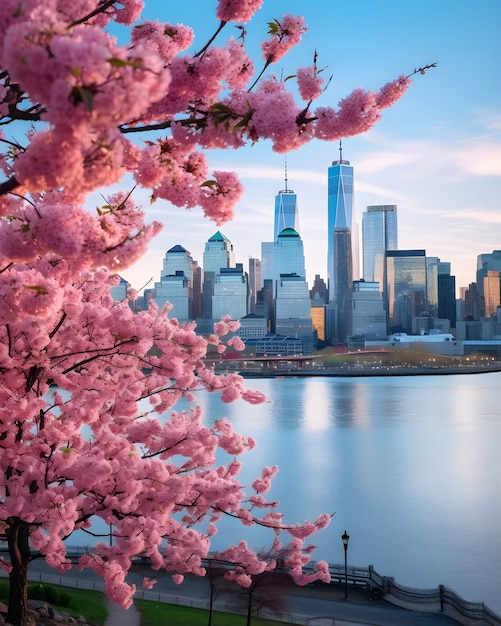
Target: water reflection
(410,465)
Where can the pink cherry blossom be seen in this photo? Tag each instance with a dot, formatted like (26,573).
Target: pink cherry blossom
(237,10)
(285,34)
(90,426)
(310,85)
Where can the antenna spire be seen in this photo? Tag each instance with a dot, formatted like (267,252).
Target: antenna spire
(340,150)
(286,174)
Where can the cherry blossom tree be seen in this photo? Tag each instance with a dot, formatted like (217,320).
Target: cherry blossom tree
(85,383)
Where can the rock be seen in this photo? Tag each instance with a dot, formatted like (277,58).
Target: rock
(43,614)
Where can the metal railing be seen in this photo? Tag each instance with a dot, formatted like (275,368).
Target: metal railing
(434,600)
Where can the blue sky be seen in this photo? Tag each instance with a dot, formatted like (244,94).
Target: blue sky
(436,154)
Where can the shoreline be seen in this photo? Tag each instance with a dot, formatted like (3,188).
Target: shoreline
(357,372)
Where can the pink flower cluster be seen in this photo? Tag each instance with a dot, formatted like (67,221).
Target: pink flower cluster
(309,83)
(237,10)
(284,35)
(89,89)
(109,443)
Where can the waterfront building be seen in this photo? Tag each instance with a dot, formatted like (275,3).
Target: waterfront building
(340,245)
(319,292)
(379,234)
(255,282)
(286,210)
(432,263)
(119,292)
(318,310)
(196,292)
(218,253)
(292,311)
(176,283)
(288,255)
(472,303)
(407,290)
(480,330)
(492,292)
(176,290)
(267,260)
(368,314)
(286,215)
(230,293)
(447,294)
(274,345)
(434,342)
(485,263)
(252,326)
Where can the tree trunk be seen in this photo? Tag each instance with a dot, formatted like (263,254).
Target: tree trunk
(19,551)
(249,606)
(211,603)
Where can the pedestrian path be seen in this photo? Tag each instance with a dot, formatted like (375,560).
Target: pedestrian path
(118,616)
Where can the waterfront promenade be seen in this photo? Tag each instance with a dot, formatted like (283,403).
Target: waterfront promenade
(322,605)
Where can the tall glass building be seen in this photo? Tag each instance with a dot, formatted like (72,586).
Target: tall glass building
(292,315)
(218,254)
(286,216)
(255,282)
(407,289)
(340,248)
(176,283)
(379,234)
(286,211)
(486,263)
(288,255)
(231,293)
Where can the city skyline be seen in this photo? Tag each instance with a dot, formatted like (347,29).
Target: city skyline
(436,154)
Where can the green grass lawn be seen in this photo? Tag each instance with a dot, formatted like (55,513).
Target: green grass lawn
(155,613)
(91,605)
(76,602)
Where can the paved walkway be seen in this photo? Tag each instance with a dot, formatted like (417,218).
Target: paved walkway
(117,616)
(326,605)
(322,605)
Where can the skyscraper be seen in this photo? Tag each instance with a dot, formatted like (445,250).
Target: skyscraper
(176,283)
(230,293)
(255,282)
(218,253)
(292,297)
(288,255)
(407,290)
(379,234)
(486,281)
(340,248)
(286,215)
(368,317)
(286,210)
(446,294)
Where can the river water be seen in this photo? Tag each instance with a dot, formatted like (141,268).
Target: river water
(410,465)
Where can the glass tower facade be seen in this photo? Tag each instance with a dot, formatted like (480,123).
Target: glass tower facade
(379,234)
(176,283)
(340,214)
(286,212)
(487,263)
(340,221)
(231,293)
(288,255)
(407,289)
(218,254)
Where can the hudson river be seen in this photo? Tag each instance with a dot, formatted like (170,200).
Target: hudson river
(410,465)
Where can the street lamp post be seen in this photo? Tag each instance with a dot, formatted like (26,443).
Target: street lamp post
(345,538)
